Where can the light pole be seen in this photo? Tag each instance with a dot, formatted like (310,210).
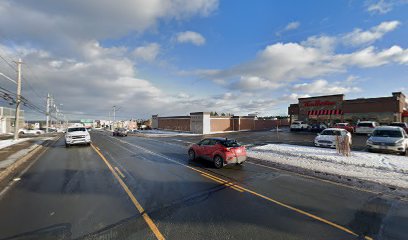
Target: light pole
(17,115)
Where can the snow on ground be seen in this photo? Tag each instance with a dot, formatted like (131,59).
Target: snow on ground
(9,142)
(381,168)
(166,133)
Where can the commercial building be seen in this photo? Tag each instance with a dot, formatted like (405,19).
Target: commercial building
(334,108)
(204,123)
(7,119)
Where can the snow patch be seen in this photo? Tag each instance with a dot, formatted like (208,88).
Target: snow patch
(10,142)
(380,168)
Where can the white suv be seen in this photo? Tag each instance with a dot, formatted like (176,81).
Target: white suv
(366,127)
(77,135)
(298,126)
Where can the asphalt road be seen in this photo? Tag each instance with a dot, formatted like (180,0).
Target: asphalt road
(145,188)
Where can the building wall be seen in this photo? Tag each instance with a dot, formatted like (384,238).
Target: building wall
(177,124)
(7,116)
(247,124)
(371,105)
(221,124)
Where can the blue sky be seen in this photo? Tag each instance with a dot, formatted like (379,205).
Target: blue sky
(178,56)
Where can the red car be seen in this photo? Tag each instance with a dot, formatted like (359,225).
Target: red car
(221,151)
(346,126)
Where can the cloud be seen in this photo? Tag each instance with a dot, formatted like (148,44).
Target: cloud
(255,83)
(73,23)
(292,26)
(281,63)
(61,42)
(289,27)
(323,87)
(147,52)
(190,37)
(360,37)
(380,7)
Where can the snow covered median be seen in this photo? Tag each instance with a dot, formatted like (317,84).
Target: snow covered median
(10,142)
(381,168)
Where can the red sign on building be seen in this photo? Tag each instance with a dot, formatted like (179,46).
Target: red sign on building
(318,103)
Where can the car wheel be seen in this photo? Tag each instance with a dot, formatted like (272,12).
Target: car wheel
(218,162)
(191,155)
(66,145)
(404,153)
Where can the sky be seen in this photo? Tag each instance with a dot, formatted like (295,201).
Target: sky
(173,57)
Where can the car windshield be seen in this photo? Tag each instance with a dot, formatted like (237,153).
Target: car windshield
(398,125)
(78,129)
(331,132)
(387,133)
(365,125)
(230,143)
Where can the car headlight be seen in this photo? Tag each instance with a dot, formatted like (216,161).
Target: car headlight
(399,142)
(369,142)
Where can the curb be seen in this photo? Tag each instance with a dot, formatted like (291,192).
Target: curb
(10,169)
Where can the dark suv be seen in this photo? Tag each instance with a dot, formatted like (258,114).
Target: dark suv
(120,132)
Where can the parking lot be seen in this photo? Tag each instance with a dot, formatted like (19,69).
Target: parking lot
(283,135)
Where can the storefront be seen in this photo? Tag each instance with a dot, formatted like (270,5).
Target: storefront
(333,108)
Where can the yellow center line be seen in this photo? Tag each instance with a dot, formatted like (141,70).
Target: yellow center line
(120,173)
(139,207)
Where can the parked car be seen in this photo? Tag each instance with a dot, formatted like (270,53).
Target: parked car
(23,131)
(77,135)
(120,132)
(388,139)
(403,125)
(317,127)
(220,151)
(345,126)
(327,138)
(298,126)
(366,127)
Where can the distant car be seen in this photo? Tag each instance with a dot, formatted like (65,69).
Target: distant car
(298,126)
(388,139)
(120,132)
(221,151)
(77,135)
(403,125)
(366,127)
(23,131)
(317,127)
(346,126)
(327,138)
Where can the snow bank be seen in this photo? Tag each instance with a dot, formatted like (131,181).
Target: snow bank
(381,168)
(9,142)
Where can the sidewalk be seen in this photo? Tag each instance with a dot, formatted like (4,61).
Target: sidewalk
(10,155)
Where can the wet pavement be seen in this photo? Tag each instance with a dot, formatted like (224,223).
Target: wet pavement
(71,193)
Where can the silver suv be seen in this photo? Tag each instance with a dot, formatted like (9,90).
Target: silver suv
(388,139)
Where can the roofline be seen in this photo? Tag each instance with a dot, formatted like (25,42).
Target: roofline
(334,95)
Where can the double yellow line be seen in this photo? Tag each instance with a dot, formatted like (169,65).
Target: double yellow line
(139,207)
(231,185)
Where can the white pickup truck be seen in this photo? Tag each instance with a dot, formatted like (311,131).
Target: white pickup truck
(77,135)
(298,126)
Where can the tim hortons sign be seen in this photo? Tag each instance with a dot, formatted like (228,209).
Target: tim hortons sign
(318,103)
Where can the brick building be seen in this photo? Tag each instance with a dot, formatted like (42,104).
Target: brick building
(333,108)
(203,123)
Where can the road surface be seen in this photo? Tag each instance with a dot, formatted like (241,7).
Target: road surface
(145,188)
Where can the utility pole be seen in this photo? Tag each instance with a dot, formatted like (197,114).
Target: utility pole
(47,123)
(114,115)
(17,115)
